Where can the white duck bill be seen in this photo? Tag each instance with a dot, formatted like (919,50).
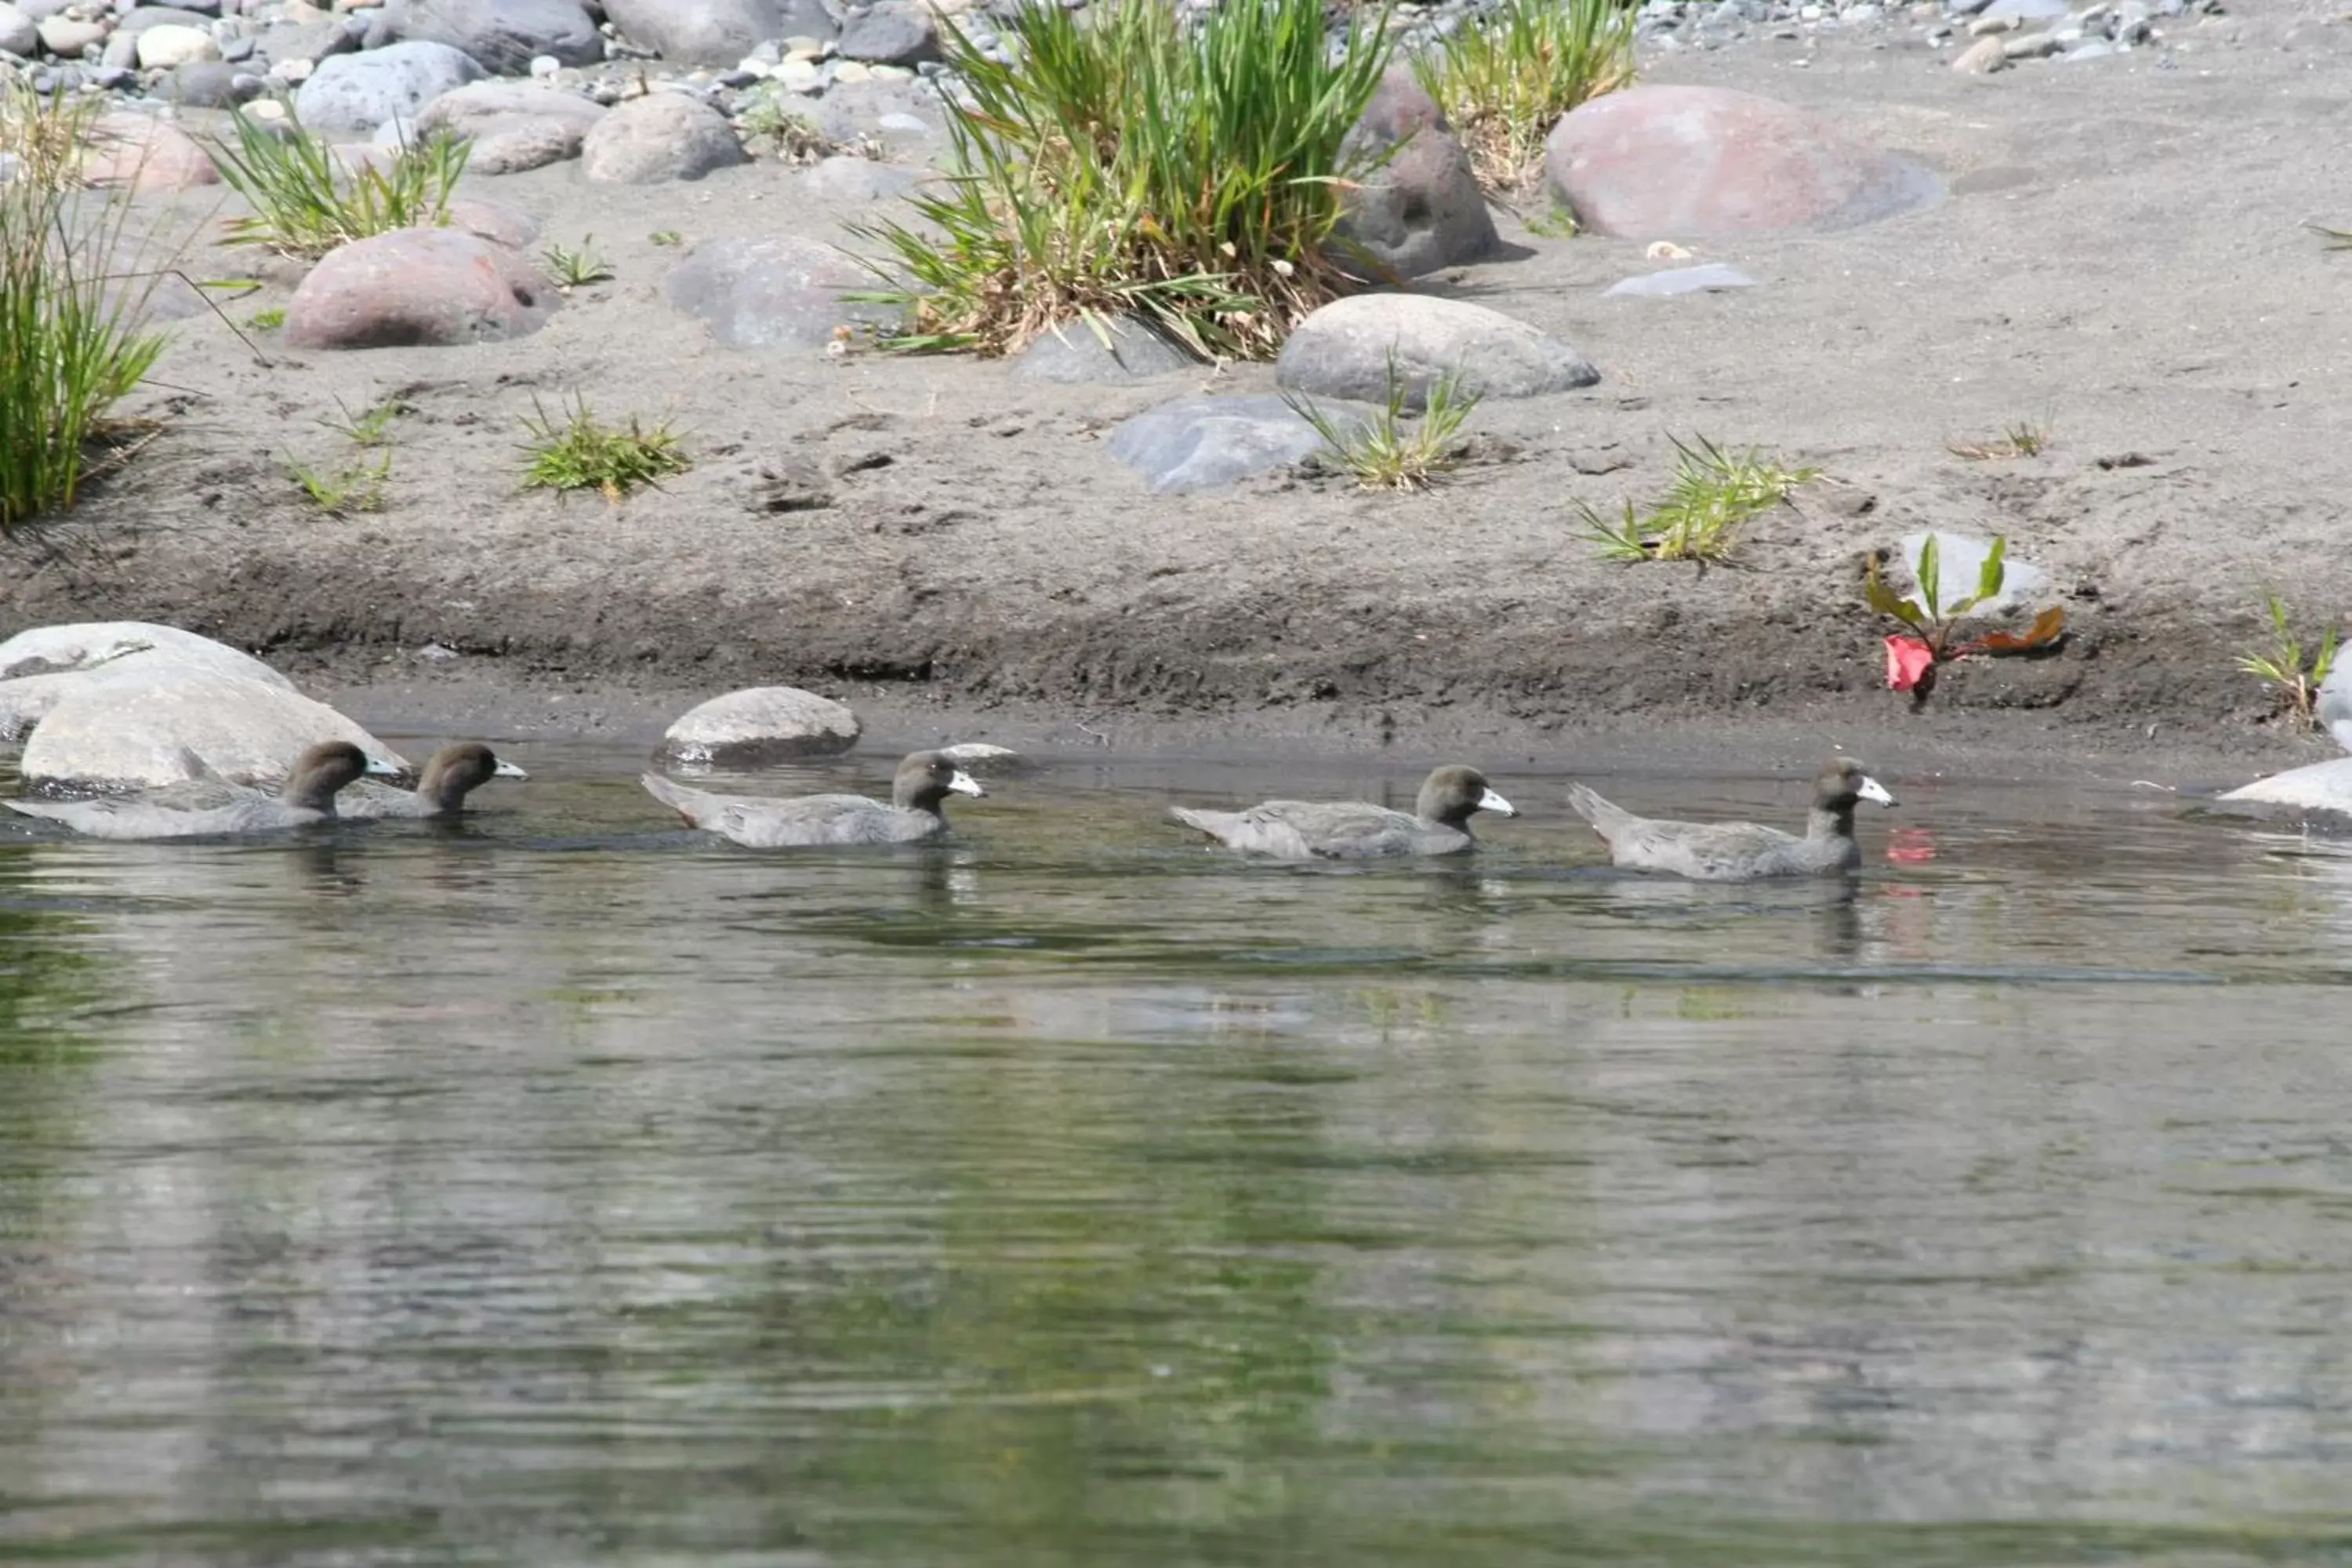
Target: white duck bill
(1494,803)
(384,769)
(509,770)
(964,784)
(1870,789)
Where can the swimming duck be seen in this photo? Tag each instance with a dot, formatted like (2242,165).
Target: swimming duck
(208,806)
(454,772)
(1741,851)
(924,782)
(1439,823)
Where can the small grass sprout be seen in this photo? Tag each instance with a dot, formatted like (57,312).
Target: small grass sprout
(579,453)
(769,115)
(665,238)
(1387,451)
(1704,511)
(2025,438)
(1555,222)
(2294,674)
(351,488)
(1505,78)
(576,269)
(372,426)
(267,321)
(306,201)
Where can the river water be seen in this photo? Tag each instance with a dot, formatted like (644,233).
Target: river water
(563,1188)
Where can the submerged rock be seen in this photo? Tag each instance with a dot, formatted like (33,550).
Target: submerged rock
(1653,161)
(760,724)
(126,731)
(1347,348)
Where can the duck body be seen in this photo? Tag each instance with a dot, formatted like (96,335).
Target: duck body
(1358,830)
(1740,851)
(924,781)
(454,772)
(210,806)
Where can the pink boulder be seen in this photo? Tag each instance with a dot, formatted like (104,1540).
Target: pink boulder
(124,148)
(1707,161)
(418,287)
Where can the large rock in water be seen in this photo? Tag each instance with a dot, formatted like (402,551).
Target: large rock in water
(2322,787)
(126,731)
(1421,209)
(716,32)
(1659,162)
(40,668)
(2335,707)
(661,136)
(1205,443)
(760,724)
(417,287)
(513,125)
(1346,350)
(781,291)
(503,35)
(353,94)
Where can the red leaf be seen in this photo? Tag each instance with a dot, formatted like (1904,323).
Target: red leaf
(1907,659)
(2044,629)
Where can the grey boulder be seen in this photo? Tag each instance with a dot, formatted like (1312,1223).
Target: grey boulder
(780,291)
(1347,348)
(1422,208)
(417,286)
(845,177)
(353,94)
(504,35)
(894,33)
(40,667)
(1206,443)
(757,725)
(513,125)
(661,136)
(2334,707)
(19,34)
(1119,349)
(714,32)
(127,732)
(1707,278)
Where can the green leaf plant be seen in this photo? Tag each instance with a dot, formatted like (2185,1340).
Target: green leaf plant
(1935,638)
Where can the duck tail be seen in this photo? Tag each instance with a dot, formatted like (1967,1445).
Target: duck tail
(1607,820)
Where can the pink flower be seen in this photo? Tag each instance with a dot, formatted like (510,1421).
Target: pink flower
(1907,659)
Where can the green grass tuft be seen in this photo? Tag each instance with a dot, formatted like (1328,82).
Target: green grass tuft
(1192,174)
(2023,439)
(577,269)
(353,486)
(1505,78)
(72,344)
(2293,675)
(267,321)
(1387,452)
(578,453)
(305,202)
(667,238)
(1704,512)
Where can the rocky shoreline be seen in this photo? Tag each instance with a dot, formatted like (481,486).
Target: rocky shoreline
(959,535)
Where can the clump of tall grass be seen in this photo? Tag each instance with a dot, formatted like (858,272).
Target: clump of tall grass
(306,201)
(1384,452)
(1190,173)
(580,452)
(1506,79)
(72,342)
